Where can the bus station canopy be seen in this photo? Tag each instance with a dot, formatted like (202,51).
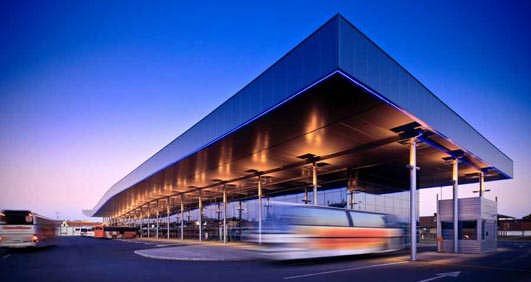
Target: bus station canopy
(335,100)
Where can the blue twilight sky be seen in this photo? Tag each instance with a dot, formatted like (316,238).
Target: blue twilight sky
(89,90)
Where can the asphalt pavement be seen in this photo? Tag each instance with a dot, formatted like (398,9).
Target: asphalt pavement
(88,259)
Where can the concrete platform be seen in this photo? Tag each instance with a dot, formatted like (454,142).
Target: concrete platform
(199,252)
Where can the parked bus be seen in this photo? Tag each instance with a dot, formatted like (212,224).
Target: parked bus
(22,228)
(294,231)
(87,231)
(114,232)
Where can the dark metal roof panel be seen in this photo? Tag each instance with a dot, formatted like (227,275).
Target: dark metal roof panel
(365,62)
(308,62)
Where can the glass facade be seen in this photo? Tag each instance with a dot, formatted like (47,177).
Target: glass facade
(243,216)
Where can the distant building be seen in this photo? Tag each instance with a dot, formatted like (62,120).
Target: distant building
(509,226)
(428,227)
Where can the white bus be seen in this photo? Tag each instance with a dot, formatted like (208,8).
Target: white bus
(87,231)
(295,231)
(22,228)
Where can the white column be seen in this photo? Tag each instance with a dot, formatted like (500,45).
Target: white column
(240,211)
(200,218)
(455,170)
(314,182)
(157,233)
(140,219)
(259,209)
(182,217)
(168,218)
(413,196)
(148,216)
(224,215)
(481,183)
(481,190)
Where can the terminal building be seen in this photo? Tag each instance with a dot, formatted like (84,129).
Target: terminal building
(334,122)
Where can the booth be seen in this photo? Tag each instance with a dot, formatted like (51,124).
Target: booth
(476,225)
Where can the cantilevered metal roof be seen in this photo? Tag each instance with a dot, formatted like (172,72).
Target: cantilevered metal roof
(337,96)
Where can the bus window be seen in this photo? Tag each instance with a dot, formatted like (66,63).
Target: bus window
(361,219)
(317,216)
(16,218)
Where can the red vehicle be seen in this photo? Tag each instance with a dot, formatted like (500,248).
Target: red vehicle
(114,232)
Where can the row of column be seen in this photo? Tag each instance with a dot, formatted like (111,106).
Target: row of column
(200,206)
(413,203)
(455,197)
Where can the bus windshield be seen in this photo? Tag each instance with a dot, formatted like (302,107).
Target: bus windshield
(16,218)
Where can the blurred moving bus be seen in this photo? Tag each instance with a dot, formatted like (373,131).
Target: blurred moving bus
(22,228)
(114,232)
(294,231)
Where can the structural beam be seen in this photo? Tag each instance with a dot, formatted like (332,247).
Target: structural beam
(182,216)
(413,196)
(200,202)
(224,214)
(148,221)
(455,194)
(157,213)
(314,183)
(259,209)
(168,218)
(481,183)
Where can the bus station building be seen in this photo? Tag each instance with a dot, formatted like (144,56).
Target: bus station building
(335,121)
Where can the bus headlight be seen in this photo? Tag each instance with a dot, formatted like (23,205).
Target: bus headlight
(35,239)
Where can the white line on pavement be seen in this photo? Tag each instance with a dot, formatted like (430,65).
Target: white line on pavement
(342,270)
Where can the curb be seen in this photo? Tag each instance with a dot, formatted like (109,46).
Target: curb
(143,254)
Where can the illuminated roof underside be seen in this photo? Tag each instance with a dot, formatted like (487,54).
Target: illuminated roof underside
(336,96)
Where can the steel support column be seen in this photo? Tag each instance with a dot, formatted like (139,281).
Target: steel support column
(168,218)
(182,217)
(157,213)
(224,214)
(148,215)
(200,218)
(481,183)
(314,182)
(140,219)
(259,209)
(240,210)
(413,197)
(455,170)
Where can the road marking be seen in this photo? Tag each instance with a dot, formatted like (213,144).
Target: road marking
(476,266)
(442,275)
(343,270)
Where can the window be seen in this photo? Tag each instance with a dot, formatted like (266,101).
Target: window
(16,218)
(315,216)
(447,230)
(468,230)
(360,219)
